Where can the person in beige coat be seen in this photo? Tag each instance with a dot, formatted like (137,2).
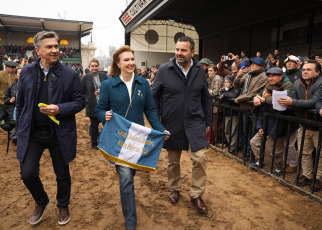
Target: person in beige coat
(215,83)
(250,84)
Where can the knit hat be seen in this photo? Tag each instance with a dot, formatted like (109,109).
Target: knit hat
(230,78)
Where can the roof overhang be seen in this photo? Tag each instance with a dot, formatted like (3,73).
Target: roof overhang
(14,23)
(211,17)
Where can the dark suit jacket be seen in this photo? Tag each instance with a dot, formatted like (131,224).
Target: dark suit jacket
(90,98)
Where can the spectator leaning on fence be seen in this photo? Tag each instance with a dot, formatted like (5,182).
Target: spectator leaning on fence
(228,91)
(304,96)
(272,126)
(275,77)
(250,84)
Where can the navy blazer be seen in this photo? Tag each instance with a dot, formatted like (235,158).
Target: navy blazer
(65,90)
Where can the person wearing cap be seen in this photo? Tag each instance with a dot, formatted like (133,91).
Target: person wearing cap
(275,77)
(234,66)
(292,64)
(274,130)
(304,96)
(250,85)
(231,116)
(7,77)
(206,62)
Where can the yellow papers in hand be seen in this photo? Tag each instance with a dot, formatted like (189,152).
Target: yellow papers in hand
(50,116)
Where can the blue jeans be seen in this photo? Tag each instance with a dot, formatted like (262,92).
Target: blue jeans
(127,195)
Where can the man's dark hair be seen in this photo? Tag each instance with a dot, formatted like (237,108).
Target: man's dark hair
(243,52)
(317,65)
(187,39)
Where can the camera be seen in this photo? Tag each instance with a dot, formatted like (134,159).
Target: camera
(226,58)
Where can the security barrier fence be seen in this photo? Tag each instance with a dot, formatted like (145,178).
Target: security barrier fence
(267,154)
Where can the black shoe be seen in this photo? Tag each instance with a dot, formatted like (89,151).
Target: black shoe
(95,147)
(317,186)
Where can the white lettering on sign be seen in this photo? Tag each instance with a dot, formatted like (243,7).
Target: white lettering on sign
(134,10)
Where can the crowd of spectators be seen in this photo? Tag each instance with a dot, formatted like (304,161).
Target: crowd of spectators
(250,84)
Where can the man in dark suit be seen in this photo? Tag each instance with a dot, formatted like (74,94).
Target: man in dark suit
(57,86)
(181,97)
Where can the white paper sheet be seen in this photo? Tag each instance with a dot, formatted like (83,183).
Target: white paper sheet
(275,96)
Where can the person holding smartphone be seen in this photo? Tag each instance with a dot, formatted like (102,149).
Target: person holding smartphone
(92,83)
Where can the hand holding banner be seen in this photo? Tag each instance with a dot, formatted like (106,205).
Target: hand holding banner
(127,143)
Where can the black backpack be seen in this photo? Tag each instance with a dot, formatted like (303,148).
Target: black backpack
(5,123)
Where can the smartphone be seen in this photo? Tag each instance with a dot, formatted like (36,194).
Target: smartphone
(242,65)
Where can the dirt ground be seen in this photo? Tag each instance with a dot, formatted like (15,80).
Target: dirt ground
(237,197)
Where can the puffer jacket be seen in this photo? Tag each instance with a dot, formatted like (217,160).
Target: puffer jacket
(305,97)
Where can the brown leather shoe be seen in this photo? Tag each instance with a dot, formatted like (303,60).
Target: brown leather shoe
(64,216)
(303,180)
(174,197)
(38,213)
(200,204)
(290,169)
(317,186)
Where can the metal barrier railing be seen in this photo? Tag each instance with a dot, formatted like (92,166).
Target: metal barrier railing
(246,159)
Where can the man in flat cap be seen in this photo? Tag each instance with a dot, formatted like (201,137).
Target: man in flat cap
(293,66)
(250,84)
(7,77)
(276,78)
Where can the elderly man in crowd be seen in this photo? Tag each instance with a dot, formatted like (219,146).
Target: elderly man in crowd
(276,78)
(304,96)
(250,84)
(293,65)
(206,62)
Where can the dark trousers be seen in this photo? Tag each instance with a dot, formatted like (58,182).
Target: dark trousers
(39,140)
(94,130)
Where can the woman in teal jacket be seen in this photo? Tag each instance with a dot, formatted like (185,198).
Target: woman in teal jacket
(130,96)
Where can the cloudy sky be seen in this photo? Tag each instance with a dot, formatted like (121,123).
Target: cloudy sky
(107,29)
